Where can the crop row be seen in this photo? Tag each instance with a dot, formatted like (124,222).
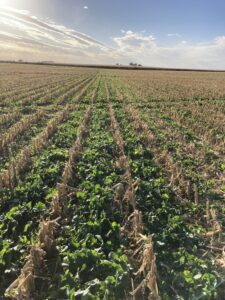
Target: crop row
(205,118)
(30,91)
(43,95)
(58,96)
(192,167)
(112,197)
(182,269)
(29,200)
(25,83)
(23,130)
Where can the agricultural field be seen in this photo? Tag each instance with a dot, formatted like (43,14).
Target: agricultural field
(112,183)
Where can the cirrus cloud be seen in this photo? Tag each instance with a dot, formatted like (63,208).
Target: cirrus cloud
(24,36)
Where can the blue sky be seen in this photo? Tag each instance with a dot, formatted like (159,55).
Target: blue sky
(179,33)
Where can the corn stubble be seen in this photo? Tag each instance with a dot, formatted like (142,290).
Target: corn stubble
(180,120)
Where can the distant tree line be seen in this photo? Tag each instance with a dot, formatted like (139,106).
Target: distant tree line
(131,64)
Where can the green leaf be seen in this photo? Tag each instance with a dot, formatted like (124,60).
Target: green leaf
(26,227)
(182,259)
(198,276)
(188,276)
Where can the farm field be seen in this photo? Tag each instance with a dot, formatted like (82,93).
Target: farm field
(112,183)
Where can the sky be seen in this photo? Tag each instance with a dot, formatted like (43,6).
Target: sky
(162,33)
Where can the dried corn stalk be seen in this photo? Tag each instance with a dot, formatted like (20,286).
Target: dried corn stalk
(147,269)
(212,219)
(46,235)
(24,286)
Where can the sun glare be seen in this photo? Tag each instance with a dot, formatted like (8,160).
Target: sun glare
(3,2)
(8,3)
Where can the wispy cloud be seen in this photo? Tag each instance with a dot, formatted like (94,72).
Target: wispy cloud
(25,33)
(174,35)
(24,36)
(85,7)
